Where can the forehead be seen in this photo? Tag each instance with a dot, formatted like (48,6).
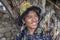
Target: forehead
(32,13)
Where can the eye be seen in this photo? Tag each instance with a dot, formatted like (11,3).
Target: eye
(29,17)
(36,16)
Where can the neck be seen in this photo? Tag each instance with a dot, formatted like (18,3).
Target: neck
(31,31)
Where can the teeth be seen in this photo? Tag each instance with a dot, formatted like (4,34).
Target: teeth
(34,23)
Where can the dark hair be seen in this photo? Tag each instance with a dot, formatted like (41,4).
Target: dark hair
(32,8)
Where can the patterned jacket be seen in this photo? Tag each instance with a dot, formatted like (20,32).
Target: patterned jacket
(38,35)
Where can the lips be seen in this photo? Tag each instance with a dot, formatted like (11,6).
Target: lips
(34,24)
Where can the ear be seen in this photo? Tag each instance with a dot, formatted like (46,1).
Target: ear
(23,21)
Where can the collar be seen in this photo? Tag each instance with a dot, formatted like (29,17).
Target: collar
(38,30)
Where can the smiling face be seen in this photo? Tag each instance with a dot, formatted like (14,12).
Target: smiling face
(31,20)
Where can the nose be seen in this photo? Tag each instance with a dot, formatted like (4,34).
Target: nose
(34,19)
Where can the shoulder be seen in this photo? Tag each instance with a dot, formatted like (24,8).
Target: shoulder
(20,35)
(39,30)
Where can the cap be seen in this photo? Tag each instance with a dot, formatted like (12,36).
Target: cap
(23,6)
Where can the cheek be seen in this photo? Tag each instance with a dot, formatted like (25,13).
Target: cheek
(28,21)
(37,19)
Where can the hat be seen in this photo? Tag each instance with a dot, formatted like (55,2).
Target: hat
(23,6)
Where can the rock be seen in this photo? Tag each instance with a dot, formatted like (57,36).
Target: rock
(8,39)
(6,24)
(5,29)
(8,34)
(1,15)
(6,16)
(1,25)
(12,38)
(14,26)
(1,35)
(3,38)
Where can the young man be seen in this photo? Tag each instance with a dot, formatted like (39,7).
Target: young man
(30,18)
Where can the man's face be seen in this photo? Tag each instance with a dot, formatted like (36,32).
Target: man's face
(31,20)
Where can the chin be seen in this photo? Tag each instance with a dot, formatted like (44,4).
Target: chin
(34,27)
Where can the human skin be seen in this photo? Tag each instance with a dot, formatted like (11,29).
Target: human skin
(31,21)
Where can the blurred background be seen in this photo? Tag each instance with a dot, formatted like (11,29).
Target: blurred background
(9,12)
